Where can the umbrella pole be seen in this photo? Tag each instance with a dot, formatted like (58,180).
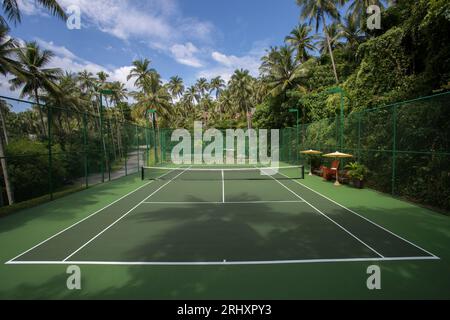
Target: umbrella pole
(337,184)
(310,166)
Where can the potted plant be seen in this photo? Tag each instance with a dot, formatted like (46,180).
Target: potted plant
(357,172)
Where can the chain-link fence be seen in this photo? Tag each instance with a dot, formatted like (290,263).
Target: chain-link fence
(48,151)
(406,147)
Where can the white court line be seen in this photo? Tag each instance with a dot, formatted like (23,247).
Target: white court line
(327,217)
(368,220)
(218,263)
(217,202)
(75,224)
(223,187)
(123,216)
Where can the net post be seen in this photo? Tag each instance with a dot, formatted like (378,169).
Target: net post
(137,146)
(142,174)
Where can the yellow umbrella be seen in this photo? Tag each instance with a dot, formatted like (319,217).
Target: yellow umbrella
(311,152)
(338,155)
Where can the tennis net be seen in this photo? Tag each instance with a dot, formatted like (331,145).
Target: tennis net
(251,173)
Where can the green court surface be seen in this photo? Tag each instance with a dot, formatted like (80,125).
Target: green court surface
(225,237)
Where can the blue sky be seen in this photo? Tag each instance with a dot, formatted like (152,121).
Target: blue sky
(189,38)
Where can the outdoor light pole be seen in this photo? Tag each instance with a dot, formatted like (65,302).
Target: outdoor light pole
(341,121)
(103,92)
(296,127)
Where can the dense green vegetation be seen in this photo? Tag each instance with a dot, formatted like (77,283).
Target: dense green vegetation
(407,58)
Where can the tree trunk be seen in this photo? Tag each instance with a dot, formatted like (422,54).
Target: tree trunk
(44,129)
(249,121)
(5,131)
(329,48)
(4,163)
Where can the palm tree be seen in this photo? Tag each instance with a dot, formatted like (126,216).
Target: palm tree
(217,84)
(334,34)
(191,95)
(357,9)
(4,164)
(153,96)
(281,70)
(120,92)
(351,32)
(33,76)
(176,86)
(12,10)
(225,103)
(140,71)
(202,86)
(8,47)
(206,105)
(86,81)
(318,10)
(241,90)
(301,41)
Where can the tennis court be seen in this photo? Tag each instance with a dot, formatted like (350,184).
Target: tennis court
(222,216)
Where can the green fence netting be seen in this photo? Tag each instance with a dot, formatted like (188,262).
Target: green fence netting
(49,151)
(406,147)
(53,150)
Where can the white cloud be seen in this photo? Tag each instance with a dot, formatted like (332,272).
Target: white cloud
(185,54)
(159,23)
(227,64)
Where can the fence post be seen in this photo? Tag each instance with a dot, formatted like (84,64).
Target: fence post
(137,145)
(50,155)
(394,147)
(125,148)
(108,148)
(86,169)
(147,150)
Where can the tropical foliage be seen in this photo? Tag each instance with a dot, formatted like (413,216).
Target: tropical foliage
(330,46)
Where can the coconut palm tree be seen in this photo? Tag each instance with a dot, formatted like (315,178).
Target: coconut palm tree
(191,95)
(351,32)
(33,76)
(225,103)
(176,86)
(318,10)
(140,71)
(301,41)
(120,92)
(241,90)
(334,35)
(281,70)
(217,84)
(8,47)
(11,9)
(153,96)
(86,81)
(202,86)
